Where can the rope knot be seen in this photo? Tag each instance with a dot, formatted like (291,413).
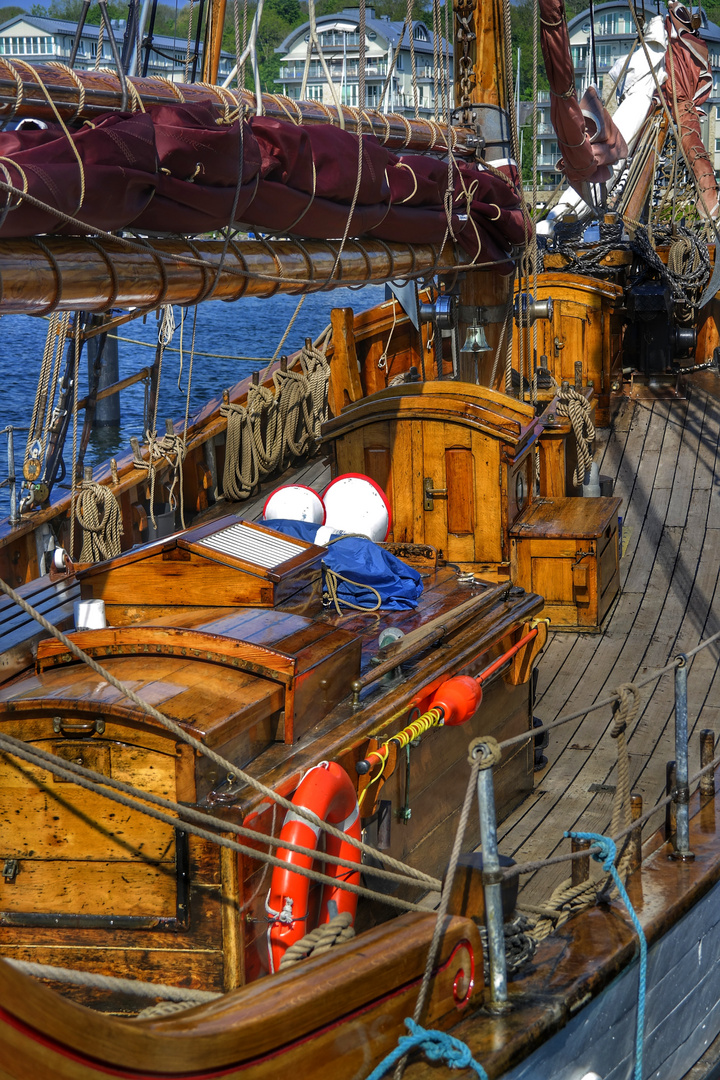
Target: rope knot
(439,1046)
(484,752)
(607,851)
(626,709)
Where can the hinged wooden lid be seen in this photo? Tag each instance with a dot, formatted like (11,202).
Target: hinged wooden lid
(226,563)
(567,518)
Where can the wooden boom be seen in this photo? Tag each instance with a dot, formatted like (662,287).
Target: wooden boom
(72,273)
(82,95)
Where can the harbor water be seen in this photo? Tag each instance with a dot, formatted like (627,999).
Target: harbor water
(241,337)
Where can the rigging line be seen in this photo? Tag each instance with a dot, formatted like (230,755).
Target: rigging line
(671,121)
(189,385)
(652,676)
(231,271)
(73,472)
(100,781)
(283,339)
(189,40)
(554,860)
(592,42)
(220,840)
(171,725)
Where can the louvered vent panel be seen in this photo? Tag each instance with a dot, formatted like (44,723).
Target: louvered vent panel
(252,546)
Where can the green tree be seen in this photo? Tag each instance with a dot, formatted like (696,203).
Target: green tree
(10,12)
(522,38)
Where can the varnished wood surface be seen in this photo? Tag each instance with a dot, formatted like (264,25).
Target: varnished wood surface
(296,1008)
(101,93)
(31,278)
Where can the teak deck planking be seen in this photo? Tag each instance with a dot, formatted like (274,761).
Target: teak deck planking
(665,458)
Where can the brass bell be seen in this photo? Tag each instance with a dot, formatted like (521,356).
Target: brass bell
(476,342)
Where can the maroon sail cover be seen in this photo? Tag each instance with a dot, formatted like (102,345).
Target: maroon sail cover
(688,86)
(180,169)
(589,140)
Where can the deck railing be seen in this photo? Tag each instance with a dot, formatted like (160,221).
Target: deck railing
(676,803)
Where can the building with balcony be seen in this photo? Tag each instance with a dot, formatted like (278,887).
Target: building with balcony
(28,37)
(340,40)
(615,36)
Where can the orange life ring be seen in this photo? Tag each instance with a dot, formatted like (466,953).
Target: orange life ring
(327,791)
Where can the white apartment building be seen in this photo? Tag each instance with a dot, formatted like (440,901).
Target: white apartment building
(31,38)
(614,37)
(340,40)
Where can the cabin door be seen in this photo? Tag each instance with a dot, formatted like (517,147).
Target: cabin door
(443,483)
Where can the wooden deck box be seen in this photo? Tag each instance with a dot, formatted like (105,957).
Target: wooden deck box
(567,550)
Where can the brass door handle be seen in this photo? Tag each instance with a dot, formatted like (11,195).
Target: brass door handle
(430,493)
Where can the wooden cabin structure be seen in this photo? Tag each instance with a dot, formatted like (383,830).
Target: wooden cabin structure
(457,463)
(223,629)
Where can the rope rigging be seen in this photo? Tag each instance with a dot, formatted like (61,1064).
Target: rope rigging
(97,512)
(275,425)
(576,407)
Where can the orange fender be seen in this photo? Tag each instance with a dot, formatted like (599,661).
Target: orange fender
(327,791)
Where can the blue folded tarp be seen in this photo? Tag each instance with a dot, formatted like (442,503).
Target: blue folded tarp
(364,563)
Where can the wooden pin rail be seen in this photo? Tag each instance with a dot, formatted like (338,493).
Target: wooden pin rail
(116,387)
(70,274)
(102,94)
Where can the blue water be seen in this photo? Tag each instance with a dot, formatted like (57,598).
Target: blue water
(248,328)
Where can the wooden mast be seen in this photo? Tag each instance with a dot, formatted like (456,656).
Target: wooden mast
(481,78)
(213,41)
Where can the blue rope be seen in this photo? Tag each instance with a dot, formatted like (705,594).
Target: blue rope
(606,856)
(436,1045)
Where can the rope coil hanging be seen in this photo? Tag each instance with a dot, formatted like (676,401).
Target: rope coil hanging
(171,449)
(577,408)
(97,512)
(320,940)
(275,425)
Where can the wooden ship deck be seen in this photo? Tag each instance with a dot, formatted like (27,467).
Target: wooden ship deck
(664,456)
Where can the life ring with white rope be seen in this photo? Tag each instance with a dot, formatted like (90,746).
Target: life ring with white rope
(327,791)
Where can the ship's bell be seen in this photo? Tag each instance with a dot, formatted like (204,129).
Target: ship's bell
(476,342)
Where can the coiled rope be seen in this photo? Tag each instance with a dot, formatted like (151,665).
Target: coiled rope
(275,425)
(576,407)
(97,512)
(320,940)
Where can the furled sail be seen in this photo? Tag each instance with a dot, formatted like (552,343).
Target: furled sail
(180,169)
(634,82)
(688,86)
(589,140)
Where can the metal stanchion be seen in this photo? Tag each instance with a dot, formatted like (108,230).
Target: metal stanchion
(485,750)
(681,793)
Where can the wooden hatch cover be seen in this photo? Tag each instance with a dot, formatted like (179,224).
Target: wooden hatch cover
(227,563)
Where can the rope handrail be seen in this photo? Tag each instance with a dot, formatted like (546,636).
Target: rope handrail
(532,867)
(651,676)
(205,834)
(76,977)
